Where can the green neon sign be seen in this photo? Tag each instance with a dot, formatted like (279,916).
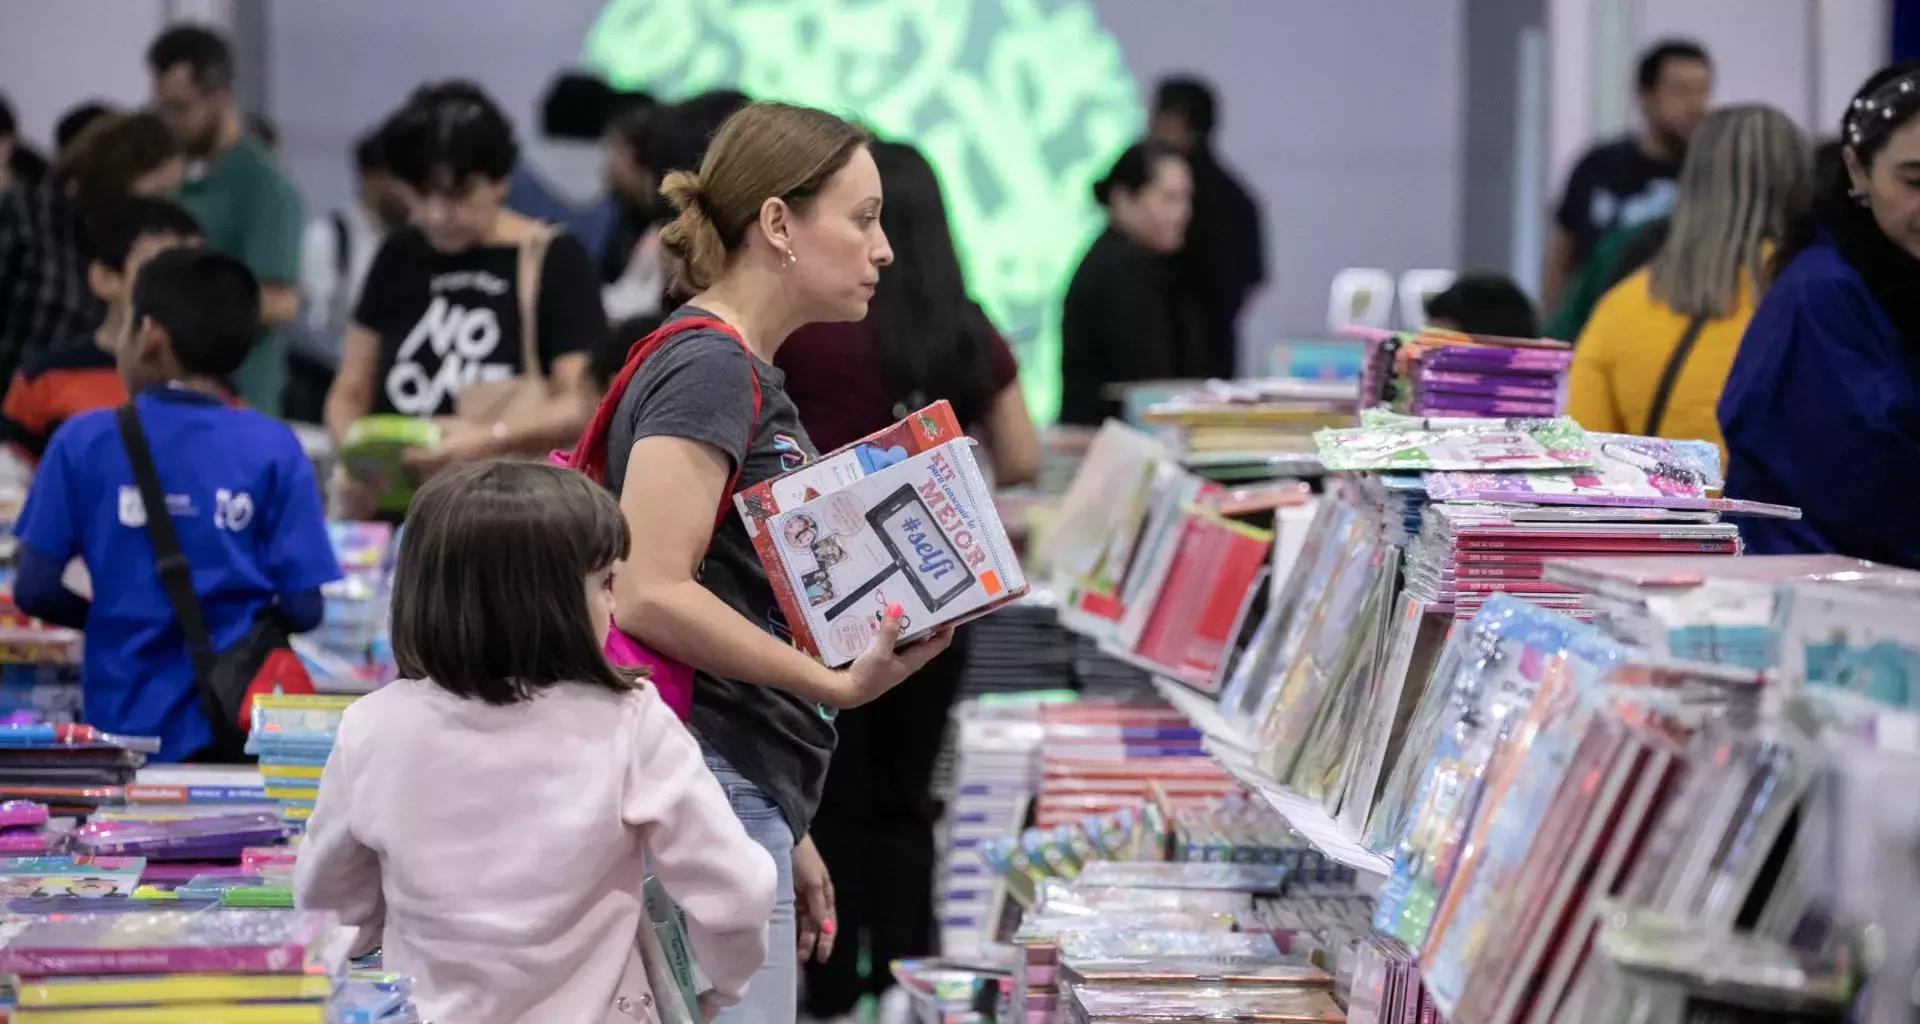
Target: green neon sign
(1020,104)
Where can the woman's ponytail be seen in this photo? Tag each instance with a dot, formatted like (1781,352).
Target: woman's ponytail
(692,238)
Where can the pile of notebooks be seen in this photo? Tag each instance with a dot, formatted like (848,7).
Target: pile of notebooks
(216,966)
(1120,945)
(1441,373)
(73,769)
(164,792)
(292,735)
(1255,429)
(994,774)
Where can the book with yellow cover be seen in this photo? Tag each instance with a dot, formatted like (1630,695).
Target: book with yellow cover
(180,1013)
(142,990)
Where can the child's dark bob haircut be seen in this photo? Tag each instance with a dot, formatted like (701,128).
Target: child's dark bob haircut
(489,595)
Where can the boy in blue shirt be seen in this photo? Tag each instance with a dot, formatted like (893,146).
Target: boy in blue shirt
(242,493)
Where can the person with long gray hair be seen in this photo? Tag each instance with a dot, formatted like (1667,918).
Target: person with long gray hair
(1656,352)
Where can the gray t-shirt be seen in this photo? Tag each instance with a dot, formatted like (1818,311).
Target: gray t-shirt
(696,387)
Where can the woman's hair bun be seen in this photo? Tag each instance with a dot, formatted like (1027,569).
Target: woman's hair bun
(692,239)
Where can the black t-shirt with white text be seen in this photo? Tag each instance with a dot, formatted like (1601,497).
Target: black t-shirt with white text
(446,320)
(1614,185)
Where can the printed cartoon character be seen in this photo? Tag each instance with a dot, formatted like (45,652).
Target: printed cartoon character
(757,507)
(11,887)
(873,459)
(801,531)
(792,454)
(93,887)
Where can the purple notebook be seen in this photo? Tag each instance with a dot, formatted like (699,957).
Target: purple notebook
(1496,358)
(174,942)
(1517,377)
(217,838)
(1546,390)
(1468,405)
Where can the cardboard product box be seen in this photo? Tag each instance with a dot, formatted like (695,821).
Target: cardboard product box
(921,533)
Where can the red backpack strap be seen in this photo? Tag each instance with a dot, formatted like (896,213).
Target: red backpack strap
(589,456)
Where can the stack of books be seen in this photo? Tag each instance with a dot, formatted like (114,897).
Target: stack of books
(212,966)
(1445,374)
(74,769)
(292,735)
(164,792)
(1253,429)
(997,739)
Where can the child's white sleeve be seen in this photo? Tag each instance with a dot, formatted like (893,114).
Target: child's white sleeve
(334,871)
(696,847)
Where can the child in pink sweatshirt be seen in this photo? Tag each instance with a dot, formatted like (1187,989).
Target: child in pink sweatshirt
(491,819)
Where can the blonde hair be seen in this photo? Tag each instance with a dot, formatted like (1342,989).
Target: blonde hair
(764,151)
(1747,176)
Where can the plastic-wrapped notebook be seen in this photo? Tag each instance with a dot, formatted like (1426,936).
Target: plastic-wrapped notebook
(1124,1005)
(373,449)
(235,832)
(312,1012)
(1188,971)
(1221,947)
(166,989)
(669,924)
(169,942)
(1185,875)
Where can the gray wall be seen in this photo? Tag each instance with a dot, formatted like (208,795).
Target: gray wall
(1352,147)
(1492,130)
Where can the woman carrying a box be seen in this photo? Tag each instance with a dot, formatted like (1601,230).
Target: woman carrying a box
(923,340)
(779,228)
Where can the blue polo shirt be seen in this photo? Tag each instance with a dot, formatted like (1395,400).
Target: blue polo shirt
(249,517)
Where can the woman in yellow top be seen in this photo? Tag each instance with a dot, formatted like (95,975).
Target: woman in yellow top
(1656,352)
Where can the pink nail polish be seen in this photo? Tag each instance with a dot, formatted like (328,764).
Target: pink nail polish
(894,611)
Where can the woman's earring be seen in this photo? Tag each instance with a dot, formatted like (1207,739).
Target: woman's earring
(791,258)
(1859,197)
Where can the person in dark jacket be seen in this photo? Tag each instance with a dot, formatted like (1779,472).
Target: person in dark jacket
(1125,319)
(1224,257)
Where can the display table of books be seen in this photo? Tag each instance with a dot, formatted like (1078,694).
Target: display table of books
(1515,690)
(163,894)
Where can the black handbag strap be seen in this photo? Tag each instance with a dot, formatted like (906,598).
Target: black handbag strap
(1671,375)
(176,576)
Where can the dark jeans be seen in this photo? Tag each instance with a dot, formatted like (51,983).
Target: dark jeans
(875,831)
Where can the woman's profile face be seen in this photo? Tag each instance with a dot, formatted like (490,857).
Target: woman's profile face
(1156,215)
(837,244)
(1892,186)
(626,176)
(457,217)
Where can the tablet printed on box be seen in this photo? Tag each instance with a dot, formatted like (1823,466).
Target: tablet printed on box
(922,533)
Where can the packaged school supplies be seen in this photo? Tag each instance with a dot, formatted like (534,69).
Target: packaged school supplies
(920,533)
(1151,1005)
(1389,442)
(197,785)
(374,448)
(173,942)
(217,838)
(17,813)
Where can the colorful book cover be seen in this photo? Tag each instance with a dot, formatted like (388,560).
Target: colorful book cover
(922,534)
(928,428)
(184,1013)
(172,942)
(373,450)
(139,990)
(1387,441)
(80,875)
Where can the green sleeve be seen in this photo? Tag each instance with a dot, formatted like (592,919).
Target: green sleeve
(270,244)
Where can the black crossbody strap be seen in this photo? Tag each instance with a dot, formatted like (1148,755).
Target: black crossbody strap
(176,576)
(1671,375)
